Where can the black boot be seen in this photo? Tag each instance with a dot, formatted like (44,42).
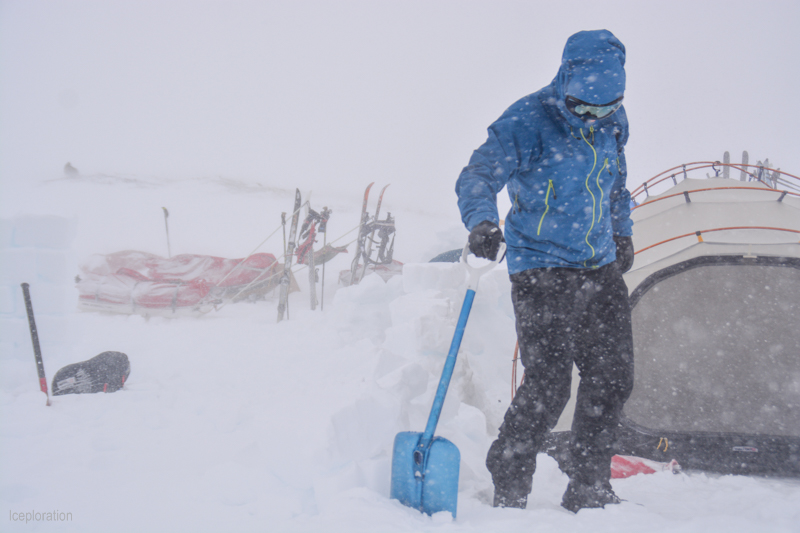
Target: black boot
(512,468)
(581,496)
(508,499)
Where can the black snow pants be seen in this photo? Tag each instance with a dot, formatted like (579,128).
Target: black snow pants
(563,316)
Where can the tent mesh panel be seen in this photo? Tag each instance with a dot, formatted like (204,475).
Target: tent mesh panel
(717,347)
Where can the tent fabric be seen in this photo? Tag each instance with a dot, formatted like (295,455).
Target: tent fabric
(727,363)
(139,282)
(716,343)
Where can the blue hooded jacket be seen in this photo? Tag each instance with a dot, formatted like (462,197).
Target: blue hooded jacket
(565,176)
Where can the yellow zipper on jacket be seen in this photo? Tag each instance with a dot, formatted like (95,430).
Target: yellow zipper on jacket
(594,200)
(550,187)
(605,166)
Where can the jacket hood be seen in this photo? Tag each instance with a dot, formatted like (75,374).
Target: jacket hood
(592,69)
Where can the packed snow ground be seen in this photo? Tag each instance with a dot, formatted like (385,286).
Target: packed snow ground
(232,422)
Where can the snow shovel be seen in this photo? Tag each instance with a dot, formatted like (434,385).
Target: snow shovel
(424,467)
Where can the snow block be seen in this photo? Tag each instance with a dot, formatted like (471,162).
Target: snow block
(405,383)
(428,302)
(440,276)
(35,250)
(48,299)
(51,267)
(431,314)
(15,339)
(17,266)
(364,428)
(7,301)
(50,232)
(6,233)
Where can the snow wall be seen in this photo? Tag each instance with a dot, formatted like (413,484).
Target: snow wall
(35,250)
(420,310)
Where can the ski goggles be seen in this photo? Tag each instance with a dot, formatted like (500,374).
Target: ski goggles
(585,110)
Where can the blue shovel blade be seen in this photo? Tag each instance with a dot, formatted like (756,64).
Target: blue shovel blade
(431,487)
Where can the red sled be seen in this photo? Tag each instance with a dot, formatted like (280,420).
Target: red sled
(132,282)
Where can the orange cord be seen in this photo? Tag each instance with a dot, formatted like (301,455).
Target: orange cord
(654,200)
(697,233)
(514,372)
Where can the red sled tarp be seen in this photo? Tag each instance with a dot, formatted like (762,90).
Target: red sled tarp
(143,283)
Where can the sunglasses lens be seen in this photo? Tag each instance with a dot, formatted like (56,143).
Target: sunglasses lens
(584,110)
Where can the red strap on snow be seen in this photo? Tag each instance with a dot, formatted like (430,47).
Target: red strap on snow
(627,466)
(43,384)
(105,387)
(623,466)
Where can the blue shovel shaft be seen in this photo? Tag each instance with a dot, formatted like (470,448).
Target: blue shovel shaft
(447,372)
(424,468)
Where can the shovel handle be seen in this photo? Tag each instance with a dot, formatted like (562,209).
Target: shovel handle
(476,272)
(444,382)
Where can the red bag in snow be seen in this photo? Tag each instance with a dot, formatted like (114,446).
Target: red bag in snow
(623,466)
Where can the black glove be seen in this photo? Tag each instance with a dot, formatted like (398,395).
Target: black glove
(485,239)
(624,253)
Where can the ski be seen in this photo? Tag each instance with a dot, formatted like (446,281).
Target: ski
(368,251)
(312,277)
(745,161)
(323,228)
(362,232)
(283,303)
(726,165)
(37,351)
(305,251)
(385,229)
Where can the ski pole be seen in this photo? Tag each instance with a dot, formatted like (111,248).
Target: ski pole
(322,294)
(312,271)
(323,228)
(283,223)
(283,302)
(166,225)
(37,351)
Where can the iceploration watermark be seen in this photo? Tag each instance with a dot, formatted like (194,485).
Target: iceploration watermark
(40,516)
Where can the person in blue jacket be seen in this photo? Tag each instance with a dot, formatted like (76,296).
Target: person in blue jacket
(560,153)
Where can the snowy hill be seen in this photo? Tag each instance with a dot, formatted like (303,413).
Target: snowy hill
(233,422)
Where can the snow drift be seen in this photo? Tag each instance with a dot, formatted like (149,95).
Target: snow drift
(231,422)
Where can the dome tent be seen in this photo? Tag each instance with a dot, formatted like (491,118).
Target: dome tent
(714,289)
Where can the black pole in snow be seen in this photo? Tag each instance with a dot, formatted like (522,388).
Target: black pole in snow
(37,351)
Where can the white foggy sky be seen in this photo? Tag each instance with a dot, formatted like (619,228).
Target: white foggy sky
(336,94)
